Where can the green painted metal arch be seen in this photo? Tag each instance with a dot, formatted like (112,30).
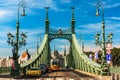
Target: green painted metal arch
(36,55)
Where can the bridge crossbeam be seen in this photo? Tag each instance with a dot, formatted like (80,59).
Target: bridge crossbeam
(64,36)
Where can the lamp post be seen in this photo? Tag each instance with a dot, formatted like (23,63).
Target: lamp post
(15,42)
(103,42)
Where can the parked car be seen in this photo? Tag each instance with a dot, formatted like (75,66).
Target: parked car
(43,68)
(34,71)
(67,67)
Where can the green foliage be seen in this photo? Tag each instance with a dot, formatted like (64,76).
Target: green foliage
(116,56)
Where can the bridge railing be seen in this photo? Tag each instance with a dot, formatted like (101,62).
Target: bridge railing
(115,72)
(40,57)
(5,69)
(115,69)
(35,56)
(86,64)
(90,66)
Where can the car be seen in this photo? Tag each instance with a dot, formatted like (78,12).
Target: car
(67,67)
(34,71)
(43,68)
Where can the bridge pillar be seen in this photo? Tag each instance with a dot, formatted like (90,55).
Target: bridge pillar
(47,22)
(73,21)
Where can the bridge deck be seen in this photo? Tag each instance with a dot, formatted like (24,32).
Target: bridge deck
(56,75)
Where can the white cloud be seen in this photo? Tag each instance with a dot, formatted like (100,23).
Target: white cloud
(105,5)
(89,28)
(114,18)
(9,8)
(96,27)
(112,26)
(112,6)
(6,15)
(42,3)
(2,13)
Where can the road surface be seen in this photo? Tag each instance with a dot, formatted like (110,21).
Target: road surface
(56,75)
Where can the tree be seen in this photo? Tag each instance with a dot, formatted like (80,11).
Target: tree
(116,56)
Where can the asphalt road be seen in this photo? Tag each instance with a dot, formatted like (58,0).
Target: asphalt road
(56,75)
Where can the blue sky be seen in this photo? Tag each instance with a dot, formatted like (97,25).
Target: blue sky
(87,24)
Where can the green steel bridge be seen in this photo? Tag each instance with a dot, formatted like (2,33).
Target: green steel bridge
(76,58)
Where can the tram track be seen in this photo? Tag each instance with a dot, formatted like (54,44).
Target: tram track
(51,76)
(60,75)
(44,76)
(55,76)
(72,76)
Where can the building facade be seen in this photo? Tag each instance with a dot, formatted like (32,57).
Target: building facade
(6,62)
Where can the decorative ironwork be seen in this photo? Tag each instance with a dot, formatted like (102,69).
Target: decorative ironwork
(60,31)
(65,36)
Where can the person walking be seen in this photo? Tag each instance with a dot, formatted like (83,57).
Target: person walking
(90,56)
(96,56)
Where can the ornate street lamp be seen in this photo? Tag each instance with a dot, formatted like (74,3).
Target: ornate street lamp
(15,42)
(110,38)
(103,42)
(97,39)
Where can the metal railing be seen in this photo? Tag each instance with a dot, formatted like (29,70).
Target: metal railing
(115,69)
(115,72)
